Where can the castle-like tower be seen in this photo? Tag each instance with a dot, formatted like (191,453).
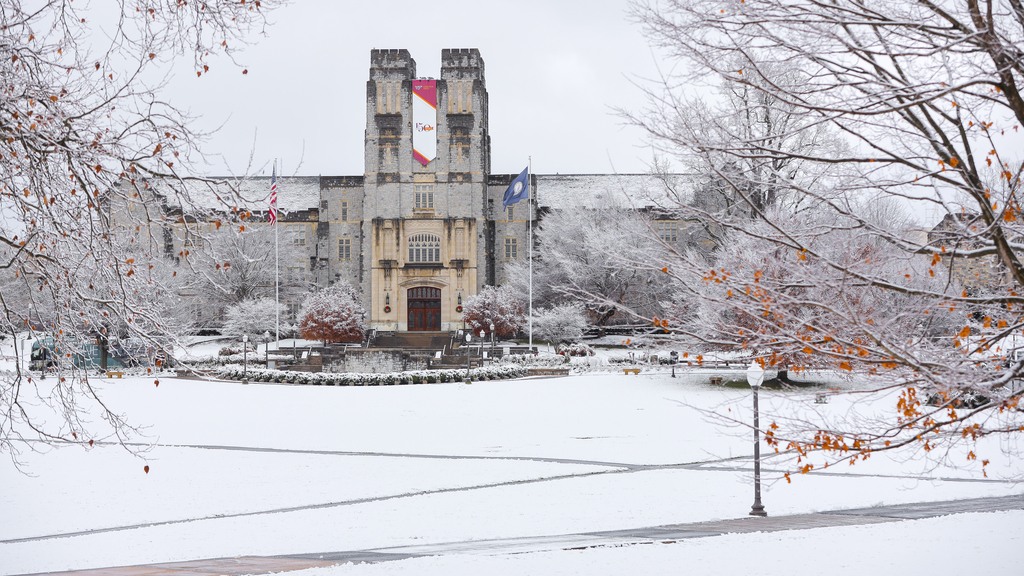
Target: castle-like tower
(417,232)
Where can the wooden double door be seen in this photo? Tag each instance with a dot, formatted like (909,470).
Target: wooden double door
(424,309)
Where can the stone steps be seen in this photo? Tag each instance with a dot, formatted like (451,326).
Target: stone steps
(413,341)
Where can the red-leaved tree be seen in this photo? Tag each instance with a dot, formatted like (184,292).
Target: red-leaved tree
(495,305)
(332,315)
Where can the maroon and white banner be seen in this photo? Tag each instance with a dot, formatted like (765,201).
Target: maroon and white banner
(424,120)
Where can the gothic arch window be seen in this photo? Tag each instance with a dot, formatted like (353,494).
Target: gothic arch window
(424,248)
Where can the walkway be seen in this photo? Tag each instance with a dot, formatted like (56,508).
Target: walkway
(663,534)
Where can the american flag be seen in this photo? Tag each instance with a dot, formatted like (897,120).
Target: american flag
(272,217)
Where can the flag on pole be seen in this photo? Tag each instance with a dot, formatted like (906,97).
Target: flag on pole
(517,190)
(272,216)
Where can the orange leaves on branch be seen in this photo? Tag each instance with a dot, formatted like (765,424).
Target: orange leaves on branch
(845,366)
(965,332)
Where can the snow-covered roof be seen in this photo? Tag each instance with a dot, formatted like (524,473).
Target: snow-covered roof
(556,191)
(293,193)
(568,191)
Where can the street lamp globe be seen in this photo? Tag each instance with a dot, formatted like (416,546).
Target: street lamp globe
(755,375)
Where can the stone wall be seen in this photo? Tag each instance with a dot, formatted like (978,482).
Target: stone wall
(374,361)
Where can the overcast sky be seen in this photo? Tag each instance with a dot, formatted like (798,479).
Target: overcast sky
(554,71)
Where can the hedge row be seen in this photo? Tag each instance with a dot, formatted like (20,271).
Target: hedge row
(236,372)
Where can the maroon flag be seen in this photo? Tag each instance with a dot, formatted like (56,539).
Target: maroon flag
(272,217)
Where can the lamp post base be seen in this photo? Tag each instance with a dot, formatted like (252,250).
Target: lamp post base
(758,510)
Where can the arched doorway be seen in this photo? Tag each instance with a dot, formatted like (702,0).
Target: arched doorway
(424,309)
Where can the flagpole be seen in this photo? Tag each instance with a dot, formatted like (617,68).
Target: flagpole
(277,280)
(529,215)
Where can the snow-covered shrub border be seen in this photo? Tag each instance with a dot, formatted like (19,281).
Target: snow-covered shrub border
(213,361)
(576,365)
(499,372)
(532,360)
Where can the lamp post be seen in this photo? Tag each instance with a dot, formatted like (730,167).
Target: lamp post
(245,358)
(492,342)
(469,338)
(755,377)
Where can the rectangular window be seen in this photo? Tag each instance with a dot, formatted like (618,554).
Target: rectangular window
(344,248)
(297,273)
(293,309)
(668,230)
(510,213)
(192,240)
(298,235)
(511,248)
(424,196)
(344,210)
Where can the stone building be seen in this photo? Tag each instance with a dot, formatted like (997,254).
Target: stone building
(423,227)
(963,231)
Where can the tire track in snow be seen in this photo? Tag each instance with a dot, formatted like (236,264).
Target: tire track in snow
(613,468)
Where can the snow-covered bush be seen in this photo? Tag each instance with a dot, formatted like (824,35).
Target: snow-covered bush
(234,357)
(497,372)
(499,306)
(332,315)
(579,349)
(534,360)
(563,323)
(255,318)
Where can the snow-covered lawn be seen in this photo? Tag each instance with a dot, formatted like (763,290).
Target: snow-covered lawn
(266,469)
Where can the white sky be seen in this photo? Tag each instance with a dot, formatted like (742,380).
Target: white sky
(554,71)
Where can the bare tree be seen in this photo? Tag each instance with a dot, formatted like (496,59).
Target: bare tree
(590,255)
(232,267)
(84,141)
(925,98)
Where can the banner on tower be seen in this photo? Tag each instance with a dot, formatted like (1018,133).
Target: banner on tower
(424,120)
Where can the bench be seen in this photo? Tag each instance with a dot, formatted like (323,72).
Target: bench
(113,374)
(633,370)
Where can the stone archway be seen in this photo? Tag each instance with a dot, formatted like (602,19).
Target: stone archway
(424,305)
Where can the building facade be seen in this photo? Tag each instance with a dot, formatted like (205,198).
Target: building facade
(418,234)
(423,228)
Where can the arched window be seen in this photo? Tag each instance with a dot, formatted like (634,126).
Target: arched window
(424,248)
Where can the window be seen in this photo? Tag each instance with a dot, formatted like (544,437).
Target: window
(668,230)
(192,240)
(424,248)
(424,196)
(297,235)
(344,248)
(511,248)
(344,210)
(297,272)
(510,213)
(293,309)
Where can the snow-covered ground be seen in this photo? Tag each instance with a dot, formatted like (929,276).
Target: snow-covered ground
(274,469)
